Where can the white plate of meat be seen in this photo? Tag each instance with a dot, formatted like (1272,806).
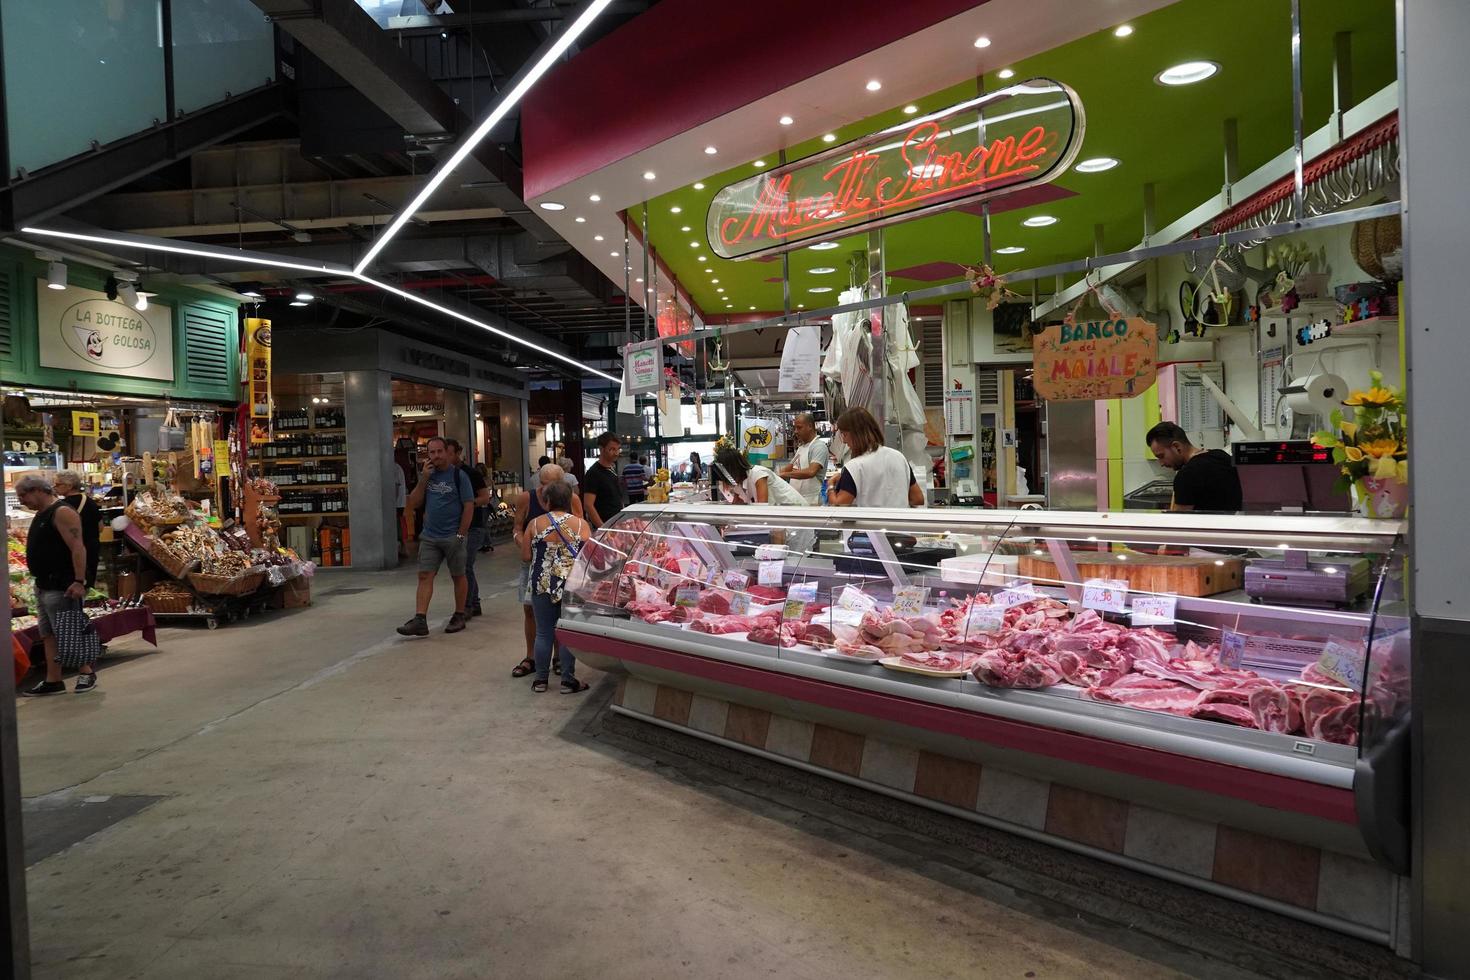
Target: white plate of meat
(832,653)
(898,663)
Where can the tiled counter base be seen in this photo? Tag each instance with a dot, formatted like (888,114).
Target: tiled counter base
(1322,886)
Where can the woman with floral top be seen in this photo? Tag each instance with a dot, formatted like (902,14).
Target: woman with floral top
(550,543)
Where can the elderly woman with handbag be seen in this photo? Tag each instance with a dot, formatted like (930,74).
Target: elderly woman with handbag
(550,543)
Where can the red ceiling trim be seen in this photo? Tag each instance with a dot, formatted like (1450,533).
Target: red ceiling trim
(686,62)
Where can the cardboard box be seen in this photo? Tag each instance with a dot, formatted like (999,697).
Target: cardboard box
(296,594)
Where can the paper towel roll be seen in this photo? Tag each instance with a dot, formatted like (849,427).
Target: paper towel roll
(1315,394)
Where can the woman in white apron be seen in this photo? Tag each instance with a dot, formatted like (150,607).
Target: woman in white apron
(874,475)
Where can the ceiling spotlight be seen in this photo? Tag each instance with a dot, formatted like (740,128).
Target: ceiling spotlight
(613,254)
(56,275)
(822,246)
(1039,221)
(597,238)
(1187,73)
(801,306)
(141,303)
(982,41)
(1122,30)
(639,279)
(758,164)
(594,198)
(1005,73)
(719,289)
(909,110)
(712,150)
(823,270)
(1096,165)
(675,209)
(786,120)
(874,85)
(581,220)
(649,175)
(297,302)
(820,289)
(1010,250)
(304,297)
(684,228)
(253,294)
(127,292)
(693,244)
(829,138)
(752,307)
(699,185)
(552,206)
(713,280)
(703,258)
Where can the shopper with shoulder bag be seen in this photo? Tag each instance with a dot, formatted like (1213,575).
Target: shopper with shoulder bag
(550,544)
(57,559)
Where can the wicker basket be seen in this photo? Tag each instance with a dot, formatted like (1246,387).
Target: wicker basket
(1374,239)
(146,521)
(167,602)
(242,584)
(175,565)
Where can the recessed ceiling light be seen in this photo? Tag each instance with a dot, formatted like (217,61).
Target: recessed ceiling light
(752,307)
(823,270)
(801,306)
(874,85)
(714,280)
(720,289)
(820,289)
(1187,73)
(759,163)
(305,297)
(1122,30)
(1039,221)
(552,206)
(1010,250)
(613,254)
(597,238)
(703,258)
(297,302)
(712,150)
(786,120)
(693,244)
(829,138)
(581,220)
(675,209)
(1006,73)
(594,198)
(822,246)
(909,110)
(253,294)
(649,175)
(639,279)
(685,228)
(982,41)
(699,185)
(1096,165)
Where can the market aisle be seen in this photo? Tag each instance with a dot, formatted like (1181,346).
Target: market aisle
(336,801)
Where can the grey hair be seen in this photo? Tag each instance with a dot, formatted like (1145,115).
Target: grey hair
(565,462)
(68,477)
(33,482)
(808,418)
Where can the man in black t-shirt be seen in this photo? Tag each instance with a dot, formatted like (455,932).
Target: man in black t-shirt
(602,492)
(1204,479)
(475,537)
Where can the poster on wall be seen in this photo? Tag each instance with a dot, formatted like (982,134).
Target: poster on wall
(1096,360)
(643,368)
(801,358)
(758,436)
(258,362)
(82,330)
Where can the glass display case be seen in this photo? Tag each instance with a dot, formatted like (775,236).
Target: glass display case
(1273,644)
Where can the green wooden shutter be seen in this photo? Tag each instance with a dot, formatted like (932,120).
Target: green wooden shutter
(207,347)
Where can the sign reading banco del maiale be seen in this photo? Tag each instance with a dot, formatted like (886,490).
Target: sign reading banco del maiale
(83,330)
(1019,136)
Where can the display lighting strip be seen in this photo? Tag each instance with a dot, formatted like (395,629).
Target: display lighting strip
(123,240)
(502,109)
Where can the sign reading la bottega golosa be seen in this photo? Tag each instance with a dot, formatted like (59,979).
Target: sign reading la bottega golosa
(83,330)
(1030,133)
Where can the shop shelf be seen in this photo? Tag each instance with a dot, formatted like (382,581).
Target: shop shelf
(332,513)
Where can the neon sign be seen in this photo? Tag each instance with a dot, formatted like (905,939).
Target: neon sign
(1019,136)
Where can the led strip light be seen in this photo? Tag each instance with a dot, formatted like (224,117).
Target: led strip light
(255,258)
(507,103)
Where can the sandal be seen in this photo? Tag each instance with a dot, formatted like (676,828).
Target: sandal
(539,687)
(523,668)
(574,686)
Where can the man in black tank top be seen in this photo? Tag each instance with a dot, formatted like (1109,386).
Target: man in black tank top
(57,559)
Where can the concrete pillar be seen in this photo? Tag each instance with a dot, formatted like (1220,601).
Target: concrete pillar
(1434,100)
(369,409)
(458,415)
(571,421)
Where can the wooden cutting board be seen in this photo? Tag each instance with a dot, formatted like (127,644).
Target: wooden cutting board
(1177,574)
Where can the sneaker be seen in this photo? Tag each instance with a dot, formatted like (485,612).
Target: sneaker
(574,686)
(86,683)
(47,687)
(475,610)
(418,626)
(456,623)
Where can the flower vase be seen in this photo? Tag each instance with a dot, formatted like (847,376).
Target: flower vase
(1385,499)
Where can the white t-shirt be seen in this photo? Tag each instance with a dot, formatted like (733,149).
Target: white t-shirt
(778,491)
(813,452)
(881,477)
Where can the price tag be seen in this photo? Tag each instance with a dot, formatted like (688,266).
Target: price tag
(1153,610)
(687,595)
(740,604)
(797,598)
(1343,662)
(1105,595)
(1015,596)
(769,572)
(845,617)
(909,600)
(736,580)
(985,619)
(1232,649)
(769,552)
(853,597)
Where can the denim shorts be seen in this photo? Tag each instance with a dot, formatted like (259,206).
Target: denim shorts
(50,605)
(434,552)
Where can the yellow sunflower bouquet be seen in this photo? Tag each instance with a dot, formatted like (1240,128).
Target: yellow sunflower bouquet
(1371,448)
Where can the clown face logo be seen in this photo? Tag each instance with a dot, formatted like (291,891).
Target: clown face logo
(91,341)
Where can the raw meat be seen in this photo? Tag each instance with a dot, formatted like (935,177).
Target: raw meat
(1160,695)
(1008,668)
(1232,714)
(735,624)
(1275,709)
(765,593)
(818,635)
(715,601)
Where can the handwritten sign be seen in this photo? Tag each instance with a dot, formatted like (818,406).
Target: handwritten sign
(769,552)
(1105,595)
(736,580)
(687,595)
(909,600)
(769,572)
(985,619)
(1016,596)
(1154,610)
(1096,360)
(797,598)
(837,616)
(1031,134)
(1343,662)
(853,597)
(1232,649)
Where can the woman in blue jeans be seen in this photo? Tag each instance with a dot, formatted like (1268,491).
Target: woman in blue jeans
(550,544)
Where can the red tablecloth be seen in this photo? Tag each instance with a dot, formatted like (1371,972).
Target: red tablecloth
(109,627)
